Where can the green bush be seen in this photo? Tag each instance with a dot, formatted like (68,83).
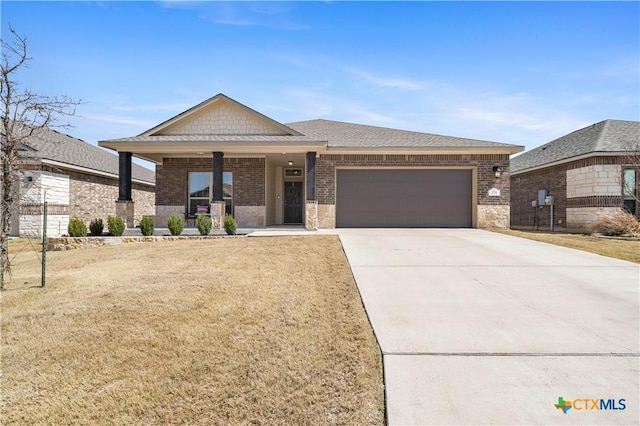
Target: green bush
(203,222)
(96,227)
(146,225)
(115,225)
(230,225)
(175,224)
(77,228)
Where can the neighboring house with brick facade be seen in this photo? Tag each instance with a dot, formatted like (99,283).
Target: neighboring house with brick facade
(78,180)
(585,171)
(227,158)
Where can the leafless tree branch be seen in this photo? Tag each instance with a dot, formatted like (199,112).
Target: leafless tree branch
(22,114)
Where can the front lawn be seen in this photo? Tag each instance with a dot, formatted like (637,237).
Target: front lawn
(618,248)
(227,331)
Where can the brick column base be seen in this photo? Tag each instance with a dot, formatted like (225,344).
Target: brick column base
(217,209)
(125,210)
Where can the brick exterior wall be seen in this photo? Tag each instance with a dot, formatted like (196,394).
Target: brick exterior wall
(172,179)
(525,186)
(524,189)
(326,171)
(89,197)
(94,197)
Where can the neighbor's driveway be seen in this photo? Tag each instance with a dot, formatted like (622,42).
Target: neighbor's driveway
(483,328)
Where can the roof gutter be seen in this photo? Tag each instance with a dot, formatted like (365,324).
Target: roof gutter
(417,150)
(182,147)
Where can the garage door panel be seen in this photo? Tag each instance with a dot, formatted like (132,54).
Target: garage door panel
(403,198)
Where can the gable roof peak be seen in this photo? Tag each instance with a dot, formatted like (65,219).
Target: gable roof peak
(220,97)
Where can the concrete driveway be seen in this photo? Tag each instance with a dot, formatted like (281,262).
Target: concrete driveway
(481,328)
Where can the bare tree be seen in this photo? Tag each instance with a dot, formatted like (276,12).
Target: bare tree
(22,113)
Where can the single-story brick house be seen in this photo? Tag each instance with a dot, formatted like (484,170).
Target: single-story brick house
(226,157)
(588,172)
(78,180)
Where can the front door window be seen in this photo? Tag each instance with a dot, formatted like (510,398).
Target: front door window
(293,202)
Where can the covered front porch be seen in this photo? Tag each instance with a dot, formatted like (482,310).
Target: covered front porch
(257,190)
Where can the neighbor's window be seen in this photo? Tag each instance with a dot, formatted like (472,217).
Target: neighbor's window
(200,190)
(629,191)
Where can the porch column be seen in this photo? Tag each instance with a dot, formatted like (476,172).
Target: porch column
(124,176)
(218,192)
(217,207)
(124,205)
(311,176)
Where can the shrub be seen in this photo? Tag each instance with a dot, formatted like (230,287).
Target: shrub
(96,226)
(230,225)
(146,225)
(619,223)
(77,228)
(115,225)
(175,224)
(203,222)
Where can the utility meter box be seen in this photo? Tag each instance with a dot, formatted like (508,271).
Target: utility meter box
(548,200)
(542,195)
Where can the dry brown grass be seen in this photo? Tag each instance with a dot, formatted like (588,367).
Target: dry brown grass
(227,331)
(619,249)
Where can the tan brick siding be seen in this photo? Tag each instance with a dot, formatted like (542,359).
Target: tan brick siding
(593,181)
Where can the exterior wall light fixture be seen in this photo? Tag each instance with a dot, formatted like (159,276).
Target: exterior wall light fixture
(497,171)
(290,163)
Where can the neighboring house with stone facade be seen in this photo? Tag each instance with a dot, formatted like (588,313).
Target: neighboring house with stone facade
(228,158)
(78,180)
(585,171)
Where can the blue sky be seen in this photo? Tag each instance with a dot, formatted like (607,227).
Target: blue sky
(515,72)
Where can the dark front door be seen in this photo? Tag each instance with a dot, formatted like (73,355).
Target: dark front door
(293,202)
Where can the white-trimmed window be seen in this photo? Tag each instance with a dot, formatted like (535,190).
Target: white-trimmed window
(629,191)
(200,190)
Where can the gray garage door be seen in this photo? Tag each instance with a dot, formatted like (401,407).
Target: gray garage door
(403,199)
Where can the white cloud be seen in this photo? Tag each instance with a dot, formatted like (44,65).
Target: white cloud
(387,82)
(275,15)
(154,107)
(113,119)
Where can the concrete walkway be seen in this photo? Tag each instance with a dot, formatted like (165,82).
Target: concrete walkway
(482,328)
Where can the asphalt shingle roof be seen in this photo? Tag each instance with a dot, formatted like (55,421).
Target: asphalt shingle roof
(336,134)
(55,146)
(348,135)
(607,136)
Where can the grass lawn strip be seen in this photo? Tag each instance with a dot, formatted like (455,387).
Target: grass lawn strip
(620,249)
(231,331)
